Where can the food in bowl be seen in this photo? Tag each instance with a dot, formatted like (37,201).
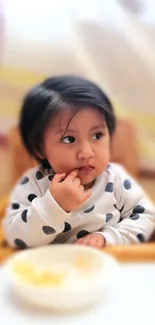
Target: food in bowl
(62,277)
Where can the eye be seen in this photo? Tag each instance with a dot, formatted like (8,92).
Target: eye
(68,139)
(97,136)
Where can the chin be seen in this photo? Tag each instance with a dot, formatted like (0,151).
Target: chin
(87,181)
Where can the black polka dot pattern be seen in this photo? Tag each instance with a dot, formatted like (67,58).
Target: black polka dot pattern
(89,209)
(15,206)
(39,175)
(31,197)
(141,238)
(48,230)
(25,180)
(109,216)
(20,243)
(138,209)
(50,177)
(82,233)
(109,187)
(67,227)
(24,215)
(127,184)
(134,216)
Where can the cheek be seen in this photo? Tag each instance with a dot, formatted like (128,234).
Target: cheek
(54,155)
(60,160)
(104,156)
(103,153)
(51,152)
(103,148)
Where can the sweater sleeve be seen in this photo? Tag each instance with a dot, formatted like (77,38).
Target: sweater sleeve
(137,213)
(32,219)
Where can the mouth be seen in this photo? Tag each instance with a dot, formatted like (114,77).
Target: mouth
(86,168)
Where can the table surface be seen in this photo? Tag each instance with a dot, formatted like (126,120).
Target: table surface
(133,253)
(127,253)
(129,300)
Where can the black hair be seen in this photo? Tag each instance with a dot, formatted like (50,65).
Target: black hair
(46,99)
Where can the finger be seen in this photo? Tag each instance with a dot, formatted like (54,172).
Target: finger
(84,240)
(100,242)
(80,240)
(92,240)
(81,188)
(58,178)
(77,182)
(86,195)
(71,177)
(96,241)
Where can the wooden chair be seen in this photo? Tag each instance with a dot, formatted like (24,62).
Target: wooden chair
(123,150)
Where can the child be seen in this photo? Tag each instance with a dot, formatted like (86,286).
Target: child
(74,195)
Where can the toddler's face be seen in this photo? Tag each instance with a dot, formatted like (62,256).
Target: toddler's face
(84,144)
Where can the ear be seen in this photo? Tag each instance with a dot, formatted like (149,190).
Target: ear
(40,153)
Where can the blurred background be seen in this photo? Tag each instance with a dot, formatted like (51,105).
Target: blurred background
(110,42)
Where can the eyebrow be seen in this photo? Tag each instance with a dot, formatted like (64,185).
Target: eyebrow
(102,125)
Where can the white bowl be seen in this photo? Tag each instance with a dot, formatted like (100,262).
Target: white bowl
(84,274)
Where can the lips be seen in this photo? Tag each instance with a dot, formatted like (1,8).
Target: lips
(86,168)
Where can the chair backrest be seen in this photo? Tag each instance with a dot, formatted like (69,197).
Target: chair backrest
(123,150)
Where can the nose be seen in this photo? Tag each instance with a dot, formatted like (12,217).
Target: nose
(85,151)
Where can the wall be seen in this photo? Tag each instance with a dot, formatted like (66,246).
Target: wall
(96,39)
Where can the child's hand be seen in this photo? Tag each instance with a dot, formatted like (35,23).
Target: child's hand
(94,240)
(68,192)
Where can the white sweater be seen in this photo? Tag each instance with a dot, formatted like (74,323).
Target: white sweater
(118,209)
